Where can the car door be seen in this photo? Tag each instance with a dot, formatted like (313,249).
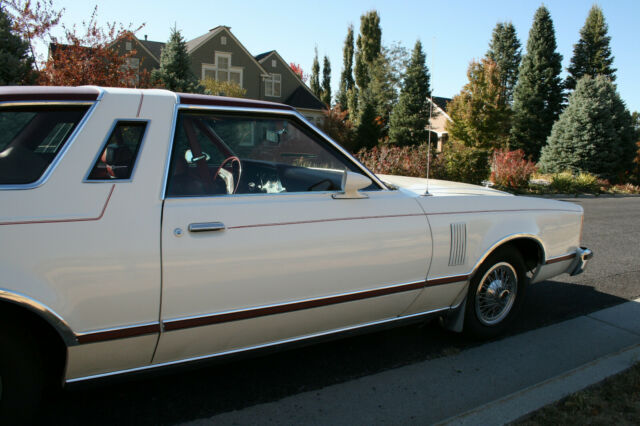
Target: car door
(257,251)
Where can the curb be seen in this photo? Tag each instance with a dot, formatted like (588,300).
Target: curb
(520,404)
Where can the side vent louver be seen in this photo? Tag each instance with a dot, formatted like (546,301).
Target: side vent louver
(458,250)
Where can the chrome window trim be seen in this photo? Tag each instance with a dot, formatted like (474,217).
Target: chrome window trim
(104,144)
(72,138)
(284,112)
(172,136)
(255,347)
(48,314)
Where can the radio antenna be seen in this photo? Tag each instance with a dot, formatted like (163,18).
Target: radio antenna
(426,192)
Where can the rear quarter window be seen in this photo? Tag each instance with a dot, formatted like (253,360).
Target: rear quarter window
(31,138)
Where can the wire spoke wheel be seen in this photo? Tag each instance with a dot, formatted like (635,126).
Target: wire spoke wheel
(496,293)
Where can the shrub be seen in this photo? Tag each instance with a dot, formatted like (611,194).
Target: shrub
(510,169)
(568,183)
(395,160)
(337,125)
(464,164)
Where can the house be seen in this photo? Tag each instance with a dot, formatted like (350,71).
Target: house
(218,54)
(439,119)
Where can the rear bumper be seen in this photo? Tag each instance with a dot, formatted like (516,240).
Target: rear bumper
(583,255)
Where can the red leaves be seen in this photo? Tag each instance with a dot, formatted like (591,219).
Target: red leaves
(510,169)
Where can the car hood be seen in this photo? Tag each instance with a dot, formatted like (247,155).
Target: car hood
(438,187)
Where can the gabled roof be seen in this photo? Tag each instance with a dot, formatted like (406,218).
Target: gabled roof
(303,98)
(441,103)
(195,44)
(153,47)
(261,56)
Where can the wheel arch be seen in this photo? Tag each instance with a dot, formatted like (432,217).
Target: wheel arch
(530,247)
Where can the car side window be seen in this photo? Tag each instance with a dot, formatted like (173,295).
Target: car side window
(217,154)
(117,157)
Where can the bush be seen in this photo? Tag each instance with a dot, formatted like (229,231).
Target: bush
(568,183)
(461,163)
(395,160)
(338,126)
(511,170)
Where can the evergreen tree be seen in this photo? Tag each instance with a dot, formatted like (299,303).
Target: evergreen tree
(326,82)
(479,114)
(538,96)
(383,90)
(594,133)
(175,67)
(505,50)
(314,81)
(16,64)
(346,78)
(409,119)
(367,129)
(369,46)
(592,54)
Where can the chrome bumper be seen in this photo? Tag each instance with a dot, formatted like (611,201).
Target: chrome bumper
(583,255)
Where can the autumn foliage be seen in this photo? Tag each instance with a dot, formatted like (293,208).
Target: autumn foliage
(297,69)
(510,169)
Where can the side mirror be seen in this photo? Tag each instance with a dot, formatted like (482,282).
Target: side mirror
(351,184)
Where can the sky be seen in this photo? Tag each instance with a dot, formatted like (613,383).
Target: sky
(452,32)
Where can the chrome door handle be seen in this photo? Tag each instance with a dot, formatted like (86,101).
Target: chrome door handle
(207,227)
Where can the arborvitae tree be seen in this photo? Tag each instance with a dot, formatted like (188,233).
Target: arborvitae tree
(175,67)
(368,128)
(479,114)
(409,119)
(592,54)
(352,104)
(346,78)
(538,96)
(16,64)
(369,45)
(314,81)
(326,82)
(505,50)
(594,133)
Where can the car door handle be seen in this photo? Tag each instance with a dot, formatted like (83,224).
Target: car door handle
(207,227)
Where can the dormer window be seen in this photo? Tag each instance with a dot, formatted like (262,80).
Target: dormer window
(222,70)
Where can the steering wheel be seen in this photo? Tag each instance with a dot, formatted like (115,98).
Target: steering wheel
(227,176)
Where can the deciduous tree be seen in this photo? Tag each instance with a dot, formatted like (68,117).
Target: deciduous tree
(326,82)
(592,54)
(409,119)
(594,133)
(369,45)
(314,82)
(346,77)
(480,116)
(538,95)
(297,69)
(505,50)
(175,67)
(223,88)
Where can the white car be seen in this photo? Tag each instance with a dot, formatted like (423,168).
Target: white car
(144,228)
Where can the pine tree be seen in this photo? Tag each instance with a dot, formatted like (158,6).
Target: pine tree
(16,64)
(367,129)
(594,133)
(479,114)
(505,50)
(369,46)
(346,77)
(314,81)
(175,67)
(538,96)
(592,54)
(409,119)
(326,82)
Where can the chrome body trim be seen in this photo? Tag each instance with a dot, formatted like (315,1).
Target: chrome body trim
(125,327)
(104,144)
(584,255)
(49,170)
(48,314)
(277,305)
(255,347)
(291,113)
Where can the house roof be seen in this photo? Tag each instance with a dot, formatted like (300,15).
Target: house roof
(441,103)
(155,47)
(303,98)
(263,55)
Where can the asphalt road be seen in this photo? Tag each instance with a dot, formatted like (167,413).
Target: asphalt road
(612,231)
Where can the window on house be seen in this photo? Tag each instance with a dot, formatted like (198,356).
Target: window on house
(273,85)
(223,40)
(273,63)
(223,70)
(127,45)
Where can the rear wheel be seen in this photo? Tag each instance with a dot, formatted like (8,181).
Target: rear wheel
(22,376)
(496,294)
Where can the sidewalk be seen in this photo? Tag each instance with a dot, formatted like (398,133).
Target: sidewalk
(490,384)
